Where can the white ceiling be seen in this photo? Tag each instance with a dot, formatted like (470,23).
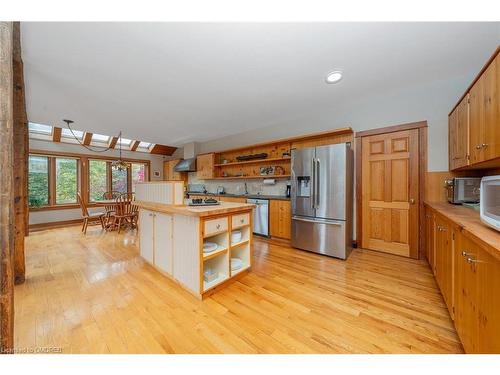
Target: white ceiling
(173,83)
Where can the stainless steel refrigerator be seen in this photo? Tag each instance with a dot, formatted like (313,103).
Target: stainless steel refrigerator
(322,199)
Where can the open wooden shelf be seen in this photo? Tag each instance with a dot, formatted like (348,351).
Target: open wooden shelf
(255,161)
(220,250)
(212,284)
(249,177)
(241,243)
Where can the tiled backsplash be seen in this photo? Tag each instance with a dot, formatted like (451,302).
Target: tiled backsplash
(238,187)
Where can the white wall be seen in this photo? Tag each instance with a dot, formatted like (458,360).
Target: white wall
(36,217)
(431,102)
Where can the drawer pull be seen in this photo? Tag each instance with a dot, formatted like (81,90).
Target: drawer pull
(218,226)
(242,221)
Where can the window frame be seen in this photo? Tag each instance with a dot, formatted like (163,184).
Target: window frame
(83,177)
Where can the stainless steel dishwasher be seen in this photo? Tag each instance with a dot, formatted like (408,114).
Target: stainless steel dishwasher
(260,216)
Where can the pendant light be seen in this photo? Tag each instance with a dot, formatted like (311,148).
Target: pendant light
(120,164)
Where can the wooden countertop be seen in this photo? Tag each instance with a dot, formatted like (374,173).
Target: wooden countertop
(203,211)
(471,223)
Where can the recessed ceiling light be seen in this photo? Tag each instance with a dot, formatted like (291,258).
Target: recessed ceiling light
(334,76)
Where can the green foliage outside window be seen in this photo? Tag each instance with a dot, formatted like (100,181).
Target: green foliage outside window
(38,181)
(66,181)
(97,180)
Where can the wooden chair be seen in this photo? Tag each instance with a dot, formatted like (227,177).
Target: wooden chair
(89,218)
(110,208)
(126,211)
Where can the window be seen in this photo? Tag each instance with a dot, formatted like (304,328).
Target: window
(138,174)
(98,179)
(38,181)
(66,180)
(66,133)
(39,128)
(119,180)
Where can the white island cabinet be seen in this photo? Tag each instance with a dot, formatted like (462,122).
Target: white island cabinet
(171,238)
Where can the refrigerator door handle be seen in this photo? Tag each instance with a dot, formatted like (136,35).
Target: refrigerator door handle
(312,189)
(315,221)
(317,184)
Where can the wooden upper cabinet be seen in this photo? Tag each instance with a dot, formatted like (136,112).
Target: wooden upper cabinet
(205,166)
(459,135)
(280,219)
(169,174)
(484,110)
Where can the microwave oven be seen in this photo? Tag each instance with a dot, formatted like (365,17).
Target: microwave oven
(463,190)
(490,201)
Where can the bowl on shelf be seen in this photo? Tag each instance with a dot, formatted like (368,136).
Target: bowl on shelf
(236,264)
(236,236)
(208,247)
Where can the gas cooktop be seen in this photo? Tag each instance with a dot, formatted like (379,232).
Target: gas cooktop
(203,202)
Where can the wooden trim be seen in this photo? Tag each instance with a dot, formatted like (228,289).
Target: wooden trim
(87,138)
(162,150)
(422,147)
(359,191)
(89,156)
(112,142)
(54,224)
(56,134)
(134,145)
(392,129)
(490,60)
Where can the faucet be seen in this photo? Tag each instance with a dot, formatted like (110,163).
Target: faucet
(246,189)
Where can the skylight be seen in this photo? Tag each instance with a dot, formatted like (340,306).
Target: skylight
(40,128)
(144,145)
(125,142)
(100,138)
(66,133)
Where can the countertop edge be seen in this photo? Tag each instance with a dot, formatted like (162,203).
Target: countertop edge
(469,226)
(224,208)
(250,196)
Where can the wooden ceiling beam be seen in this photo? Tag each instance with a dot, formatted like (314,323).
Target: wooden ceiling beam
(134,145)
(87,138)
(112,142)
(162,150)
(56,134)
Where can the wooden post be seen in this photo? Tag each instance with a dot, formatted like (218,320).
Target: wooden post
(7,191)
(20,157)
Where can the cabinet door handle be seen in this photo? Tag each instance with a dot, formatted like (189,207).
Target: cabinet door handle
(242,221)
(412,201)
(218,226)
(484,145)
(465,254)
(478,147)
(471,260)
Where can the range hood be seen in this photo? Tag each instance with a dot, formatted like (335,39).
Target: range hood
(186,165)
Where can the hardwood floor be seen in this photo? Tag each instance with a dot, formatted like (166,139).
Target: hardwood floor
(94,294)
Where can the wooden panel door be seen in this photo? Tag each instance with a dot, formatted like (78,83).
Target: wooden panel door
(146,243)
(459,135)
(390,193)
(280,219)
(466,318)
(163,242)
(490,144)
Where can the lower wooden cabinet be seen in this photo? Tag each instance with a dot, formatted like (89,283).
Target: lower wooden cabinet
(477,286)
(468,276)
(429,237)
(232,199)
(280,219)
(444,259)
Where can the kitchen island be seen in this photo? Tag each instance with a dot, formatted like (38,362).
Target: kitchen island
(172,238)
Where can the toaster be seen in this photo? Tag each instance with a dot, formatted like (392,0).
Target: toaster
(463,190)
